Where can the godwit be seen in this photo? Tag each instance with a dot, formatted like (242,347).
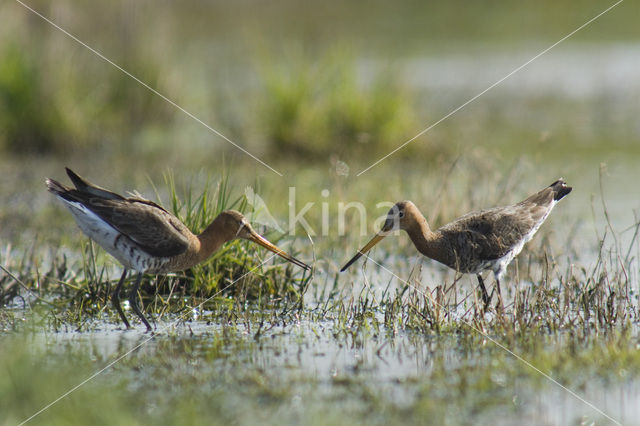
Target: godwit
(477,241)
(145,237)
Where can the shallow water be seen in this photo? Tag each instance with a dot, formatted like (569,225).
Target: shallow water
(573,71)
(298,368)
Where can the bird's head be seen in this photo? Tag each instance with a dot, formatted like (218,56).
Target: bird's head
(240,228)
(402,215)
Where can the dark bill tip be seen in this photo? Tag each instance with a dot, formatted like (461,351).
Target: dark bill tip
(375,240)
(351,262)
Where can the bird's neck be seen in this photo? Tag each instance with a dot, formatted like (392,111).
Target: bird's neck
(426,241)
(214,236)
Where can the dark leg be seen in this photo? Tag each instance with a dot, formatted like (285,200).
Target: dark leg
(485,296)
(500,304)
(115,298)
(133,300)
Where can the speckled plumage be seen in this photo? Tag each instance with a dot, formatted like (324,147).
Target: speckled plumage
(477,241)
(146,238)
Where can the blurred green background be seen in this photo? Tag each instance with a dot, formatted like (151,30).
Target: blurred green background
(305,81)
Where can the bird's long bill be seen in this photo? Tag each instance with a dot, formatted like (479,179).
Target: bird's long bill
(375,240)
(269,246)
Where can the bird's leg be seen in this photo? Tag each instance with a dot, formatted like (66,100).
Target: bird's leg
(485,296)
(499,304)
(133,300)
(115,298)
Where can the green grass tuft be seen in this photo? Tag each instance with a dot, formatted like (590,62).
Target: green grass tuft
(316,107)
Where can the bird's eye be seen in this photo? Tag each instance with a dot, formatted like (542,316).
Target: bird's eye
(401,214)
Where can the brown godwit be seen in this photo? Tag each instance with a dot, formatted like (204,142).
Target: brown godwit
(146,238)
(477,241)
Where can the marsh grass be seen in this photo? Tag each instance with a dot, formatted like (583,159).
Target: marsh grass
(240,274)
(249,348)
(541,297)
(26,128)
(54,106)
(239,348)
(551,287)
(319,106)
(239,262)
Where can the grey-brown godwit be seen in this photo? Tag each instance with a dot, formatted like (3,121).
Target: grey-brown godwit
(146,238)
(477,241)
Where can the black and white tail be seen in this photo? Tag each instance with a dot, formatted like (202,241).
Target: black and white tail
(560,189)
(56,188)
